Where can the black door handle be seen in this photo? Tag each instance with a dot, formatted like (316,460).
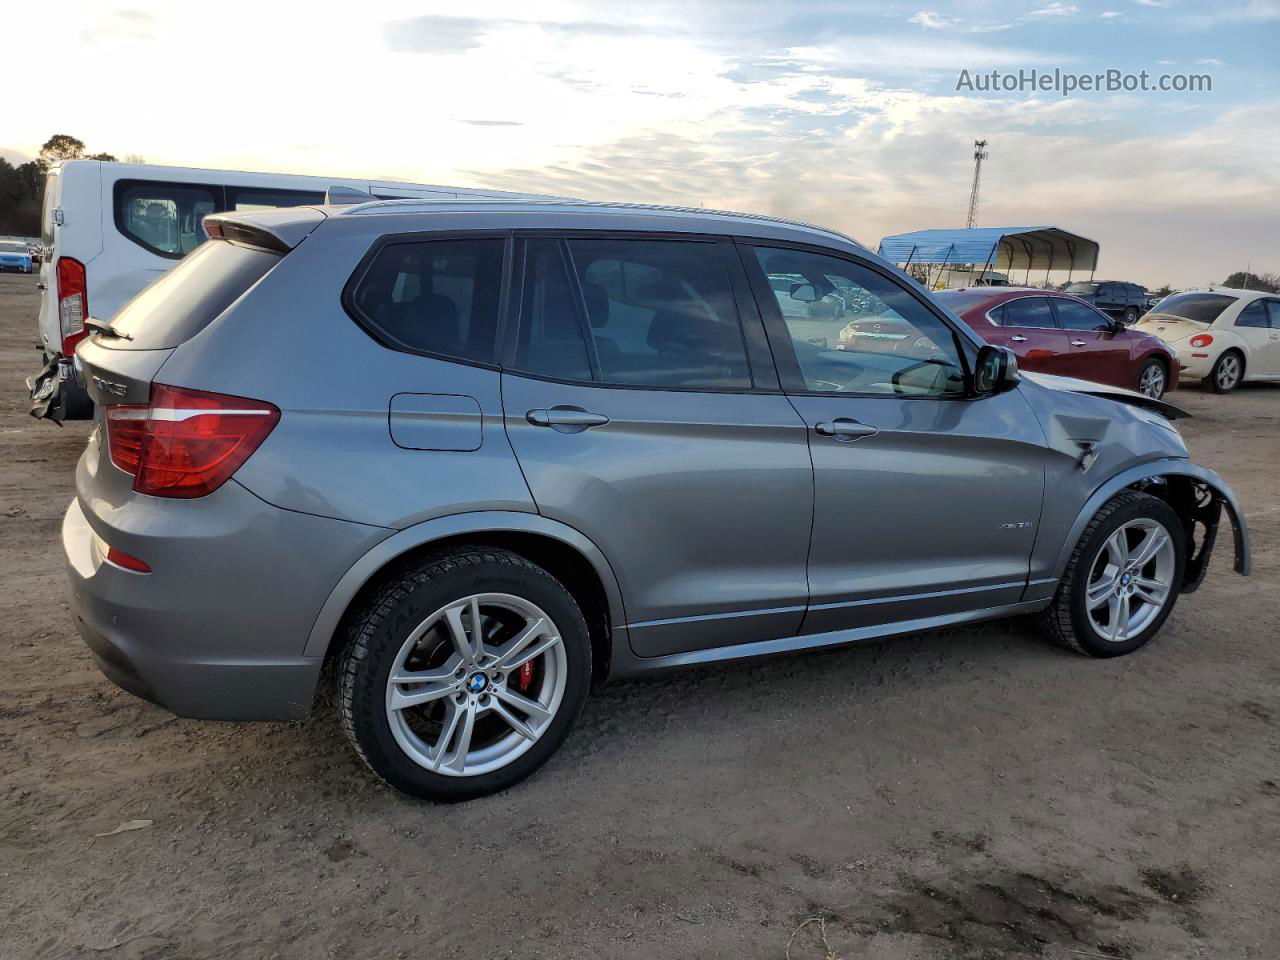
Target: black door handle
(566,419)
(845,428)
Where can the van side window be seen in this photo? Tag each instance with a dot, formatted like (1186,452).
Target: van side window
(434,296)
(254,198)
(165,218)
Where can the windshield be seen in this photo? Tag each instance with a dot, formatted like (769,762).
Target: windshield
(9,247)
(1079,288)
(1196,307)
(50,204)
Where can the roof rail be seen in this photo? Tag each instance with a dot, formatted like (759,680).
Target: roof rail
(410,205)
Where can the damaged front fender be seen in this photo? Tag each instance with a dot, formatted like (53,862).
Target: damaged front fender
(1197,494)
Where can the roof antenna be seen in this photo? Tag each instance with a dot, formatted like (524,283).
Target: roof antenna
(979,154)
(338,195)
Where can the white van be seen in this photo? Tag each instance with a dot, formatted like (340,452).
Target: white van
(109,229)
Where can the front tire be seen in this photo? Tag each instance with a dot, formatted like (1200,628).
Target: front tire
(463,674)
(1130,316)
(1227,372)
(1152,379)
(1122,579)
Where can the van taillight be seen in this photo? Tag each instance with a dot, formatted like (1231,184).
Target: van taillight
(73,303)
(186,443)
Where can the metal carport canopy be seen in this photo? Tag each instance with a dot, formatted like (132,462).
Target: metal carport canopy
(999,248)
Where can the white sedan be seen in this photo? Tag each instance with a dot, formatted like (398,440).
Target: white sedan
(1222,336)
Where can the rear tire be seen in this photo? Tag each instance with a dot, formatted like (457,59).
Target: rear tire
(1107,569)
(478,721)
(1130,316)
(1227,372)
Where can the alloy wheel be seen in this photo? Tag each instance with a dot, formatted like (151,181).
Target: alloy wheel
(1151,383)
(476,684)
(1131,580)
(1228,371)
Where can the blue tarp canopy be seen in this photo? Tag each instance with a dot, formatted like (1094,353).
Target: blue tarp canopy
(998,248)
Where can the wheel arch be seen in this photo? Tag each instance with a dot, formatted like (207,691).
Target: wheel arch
(1177,482)
(1236,345)
(564,552)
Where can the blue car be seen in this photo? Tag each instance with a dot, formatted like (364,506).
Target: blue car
(14,255)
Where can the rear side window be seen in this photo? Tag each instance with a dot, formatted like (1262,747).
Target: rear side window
(1254,315)
(551,341)
(181,303)
(164,218)
(661,313)
(434,296)
(647,313)
(1027,312)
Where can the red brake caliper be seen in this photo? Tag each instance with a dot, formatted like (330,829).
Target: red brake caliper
(524,676)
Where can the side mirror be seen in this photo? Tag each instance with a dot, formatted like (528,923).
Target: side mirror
(996,371)
(805,293)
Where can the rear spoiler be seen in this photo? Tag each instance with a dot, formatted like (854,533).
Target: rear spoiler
(278,230)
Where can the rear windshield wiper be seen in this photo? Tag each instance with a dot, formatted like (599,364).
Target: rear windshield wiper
(101,326)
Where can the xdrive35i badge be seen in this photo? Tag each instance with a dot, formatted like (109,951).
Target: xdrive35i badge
(110,386)
(1023,525)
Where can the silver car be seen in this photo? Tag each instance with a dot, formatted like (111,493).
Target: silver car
(464,458)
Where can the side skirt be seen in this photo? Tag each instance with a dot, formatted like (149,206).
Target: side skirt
(634,666)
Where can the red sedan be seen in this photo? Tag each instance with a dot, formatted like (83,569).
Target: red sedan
(1055,333)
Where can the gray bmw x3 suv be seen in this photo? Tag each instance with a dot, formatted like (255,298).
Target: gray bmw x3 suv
(472,456)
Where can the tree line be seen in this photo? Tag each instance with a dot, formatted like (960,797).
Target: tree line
(22,186)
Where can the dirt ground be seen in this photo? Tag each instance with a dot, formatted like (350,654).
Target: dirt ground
(967,793)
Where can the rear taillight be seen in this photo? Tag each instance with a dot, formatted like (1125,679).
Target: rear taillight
(186,443)
(1202,340)
(73,303)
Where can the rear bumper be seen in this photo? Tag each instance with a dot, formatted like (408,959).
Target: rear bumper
(1192,367)
(217,630)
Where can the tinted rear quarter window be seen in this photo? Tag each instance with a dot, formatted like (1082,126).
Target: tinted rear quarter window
(436,297)
(180,304)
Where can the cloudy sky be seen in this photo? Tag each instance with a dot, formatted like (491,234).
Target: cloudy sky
(842,113)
